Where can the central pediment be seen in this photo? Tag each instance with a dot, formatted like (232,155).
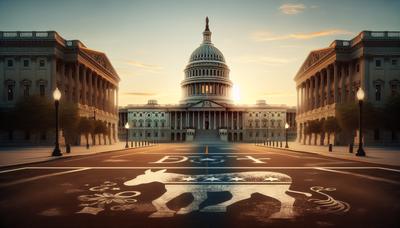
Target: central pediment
(209,104)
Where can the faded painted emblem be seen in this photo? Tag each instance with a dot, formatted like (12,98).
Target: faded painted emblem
(241,185)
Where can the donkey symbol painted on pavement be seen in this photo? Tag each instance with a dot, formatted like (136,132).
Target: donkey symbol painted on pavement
(241,185)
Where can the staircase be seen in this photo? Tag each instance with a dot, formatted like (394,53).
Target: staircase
(206,136)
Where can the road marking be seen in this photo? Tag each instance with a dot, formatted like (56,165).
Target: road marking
(388,169)
(42,176)
(205,167)
(11,170)
(360,175)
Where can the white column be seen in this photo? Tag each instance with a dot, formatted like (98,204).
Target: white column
(343,97)
(198,120)
(204,120)
(335,82)
(215,120)
(328,85)
(181,120)
(322,98)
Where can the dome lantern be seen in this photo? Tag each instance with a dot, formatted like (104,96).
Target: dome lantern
(207,33)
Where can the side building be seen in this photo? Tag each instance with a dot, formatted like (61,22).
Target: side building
(207,111)
(331,76)
(36,62)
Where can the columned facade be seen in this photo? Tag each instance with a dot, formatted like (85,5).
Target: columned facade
(84,76)
(330,77)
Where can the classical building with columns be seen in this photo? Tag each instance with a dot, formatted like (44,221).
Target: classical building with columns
(331,76)
(207,111)
(35,63)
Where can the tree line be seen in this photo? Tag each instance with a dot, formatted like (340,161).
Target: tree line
(347,119)
(36,114)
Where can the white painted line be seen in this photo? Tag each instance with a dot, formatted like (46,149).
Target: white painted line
(360,175)
(41,177)
(388,169)
(12,170)
(205,167)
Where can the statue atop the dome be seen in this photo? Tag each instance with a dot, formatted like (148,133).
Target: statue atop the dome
(207,29)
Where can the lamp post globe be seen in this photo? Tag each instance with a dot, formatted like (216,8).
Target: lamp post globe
(127,134)
(286,129)
(360,98)
(57,97)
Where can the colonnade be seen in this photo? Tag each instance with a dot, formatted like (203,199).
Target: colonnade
(206,120)
(80,84)
(217,89)
(333,84)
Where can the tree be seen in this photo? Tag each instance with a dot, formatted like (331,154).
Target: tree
(315,127)
(348,116)
(33,114)
(69,119)
(99,128)
(330,125)
(85,127)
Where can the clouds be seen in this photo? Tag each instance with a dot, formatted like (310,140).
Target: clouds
(262,36)
(291,9)
(144,66)
(264,60)
(146,94)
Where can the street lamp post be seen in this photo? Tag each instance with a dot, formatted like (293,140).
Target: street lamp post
(286,129)
(360,97)
(127,134)
(57,97)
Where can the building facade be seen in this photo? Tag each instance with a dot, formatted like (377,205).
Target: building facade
(206,112)
(331,76)
(35,63)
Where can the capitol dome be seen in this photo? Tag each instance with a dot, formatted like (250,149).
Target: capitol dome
(206,74)
(207,52)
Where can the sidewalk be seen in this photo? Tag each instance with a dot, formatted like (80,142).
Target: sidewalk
(23,155)
(376,155)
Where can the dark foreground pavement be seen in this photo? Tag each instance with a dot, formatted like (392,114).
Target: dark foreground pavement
(183,185)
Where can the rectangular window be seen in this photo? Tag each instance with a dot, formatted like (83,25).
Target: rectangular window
(26,90)
(42,90)
(10,93)
(358,68)
(378,63)
(377,92)
(26,63)
(41,63)
(10,63)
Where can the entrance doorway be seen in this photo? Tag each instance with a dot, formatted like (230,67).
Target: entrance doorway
(207,125)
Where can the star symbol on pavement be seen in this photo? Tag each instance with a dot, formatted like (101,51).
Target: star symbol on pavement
(188,178)
(236,179)
(271,179)
(212,179)
(207,159)
(90,210)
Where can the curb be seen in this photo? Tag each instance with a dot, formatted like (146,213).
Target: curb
(72,156)
(329,156)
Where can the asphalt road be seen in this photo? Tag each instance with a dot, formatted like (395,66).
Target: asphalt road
(186,185)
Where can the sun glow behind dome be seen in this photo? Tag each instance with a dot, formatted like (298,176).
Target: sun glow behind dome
(236,94)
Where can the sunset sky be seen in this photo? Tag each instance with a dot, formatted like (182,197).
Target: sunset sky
(149,42)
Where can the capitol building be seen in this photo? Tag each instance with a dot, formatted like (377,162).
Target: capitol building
(207,111)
